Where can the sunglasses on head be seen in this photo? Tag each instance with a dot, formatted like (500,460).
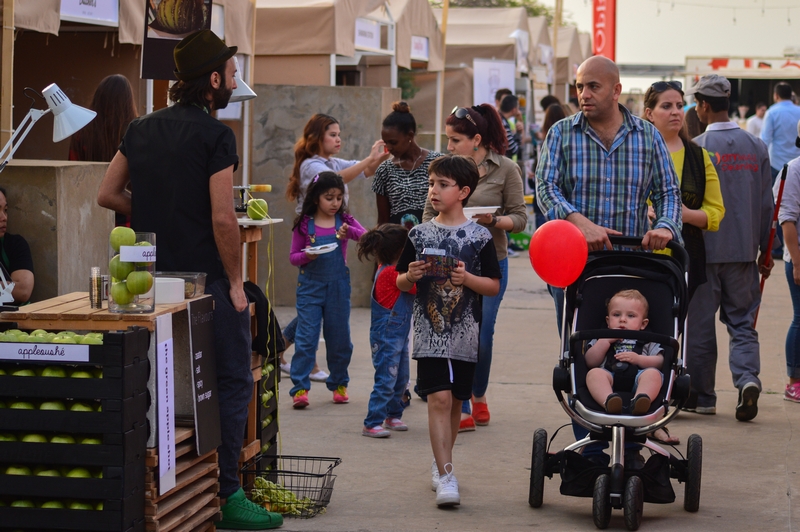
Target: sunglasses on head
(462,113)
(661,86)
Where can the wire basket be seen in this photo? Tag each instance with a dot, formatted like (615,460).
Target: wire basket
(297,486)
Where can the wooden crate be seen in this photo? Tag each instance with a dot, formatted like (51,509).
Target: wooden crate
(193,504)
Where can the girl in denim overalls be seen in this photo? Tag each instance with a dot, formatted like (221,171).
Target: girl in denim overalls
(388,332)
(323,286)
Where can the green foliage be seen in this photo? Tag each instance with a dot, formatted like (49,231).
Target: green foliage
(534,8)
(406,83)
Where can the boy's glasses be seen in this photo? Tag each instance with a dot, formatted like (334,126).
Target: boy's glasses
(661,86)
(462,113)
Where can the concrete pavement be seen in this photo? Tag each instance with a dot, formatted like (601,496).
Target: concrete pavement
(750,470)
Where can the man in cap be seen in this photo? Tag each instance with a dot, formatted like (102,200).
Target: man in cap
(732,255)
(179,162)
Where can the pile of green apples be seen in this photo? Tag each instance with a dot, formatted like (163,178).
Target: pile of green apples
(52,404)
(53,471)
(126,281)
(74,372)
(85,439)
(40,336)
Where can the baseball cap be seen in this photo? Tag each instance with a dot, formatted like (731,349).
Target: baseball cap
(712,85)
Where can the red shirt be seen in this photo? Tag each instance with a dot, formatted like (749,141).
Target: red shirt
(386,291)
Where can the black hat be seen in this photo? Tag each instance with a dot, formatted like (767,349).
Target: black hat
(200,53)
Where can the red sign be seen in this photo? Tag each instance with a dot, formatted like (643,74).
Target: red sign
(604,28)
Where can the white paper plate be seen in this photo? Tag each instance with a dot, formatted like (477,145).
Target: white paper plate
(471,212)
(321,250)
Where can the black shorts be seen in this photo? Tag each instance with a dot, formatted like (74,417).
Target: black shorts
(437,374)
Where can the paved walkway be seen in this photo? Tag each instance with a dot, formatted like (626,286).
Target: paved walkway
(750,470)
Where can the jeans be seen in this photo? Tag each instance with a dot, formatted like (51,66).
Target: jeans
(793,334)
(232,341)
(778,230)
(290,331)
(489,309)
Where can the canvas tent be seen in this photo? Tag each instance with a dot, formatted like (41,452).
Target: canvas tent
(568,57)
(415,18)
(542,48)
(585,40)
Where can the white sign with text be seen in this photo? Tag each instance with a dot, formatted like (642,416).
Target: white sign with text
(419,48)
(44,352)
(137,253)
(368,34)
(166,403)
(102,12)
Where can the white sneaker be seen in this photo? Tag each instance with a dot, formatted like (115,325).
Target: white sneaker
(319,376)
(286,368)
(447,491)
(434,475)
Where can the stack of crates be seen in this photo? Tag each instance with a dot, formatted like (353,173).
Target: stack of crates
(97,482)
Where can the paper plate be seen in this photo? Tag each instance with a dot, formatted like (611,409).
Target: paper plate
(321,250)
(471,212)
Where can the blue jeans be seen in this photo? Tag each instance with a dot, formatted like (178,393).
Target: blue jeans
(793,335)
(388,338)
(290,331)
(489,309)
(232,344)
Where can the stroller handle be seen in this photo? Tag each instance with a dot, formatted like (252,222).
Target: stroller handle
(678,251)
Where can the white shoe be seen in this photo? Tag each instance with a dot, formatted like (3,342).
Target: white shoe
(434,475)
(286,368)
(319,376)
(447,491)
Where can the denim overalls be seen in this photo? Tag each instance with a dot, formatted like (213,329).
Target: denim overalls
(388,338)
(323,298)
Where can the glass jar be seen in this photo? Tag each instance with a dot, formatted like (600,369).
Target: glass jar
(132,263)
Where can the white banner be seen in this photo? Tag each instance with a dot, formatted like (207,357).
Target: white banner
(44,352)
(368,34)
(419,48)
(102,12)
(489,76)
(166,403)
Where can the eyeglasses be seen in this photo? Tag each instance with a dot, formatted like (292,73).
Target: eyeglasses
(661,86)
(462,113)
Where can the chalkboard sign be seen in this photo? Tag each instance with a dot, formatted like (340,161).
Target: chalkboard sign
(204,374)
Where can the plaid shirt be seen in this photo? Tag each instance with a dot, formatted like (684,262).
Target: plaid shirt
(576,174)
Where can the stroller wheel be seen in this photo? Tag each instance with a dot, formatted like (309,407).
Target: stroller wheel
(633,503)
(694,469)
(601,502)
(539,455)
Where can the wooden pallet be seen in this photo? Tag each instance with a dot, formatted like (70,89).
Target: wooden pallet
(193,504)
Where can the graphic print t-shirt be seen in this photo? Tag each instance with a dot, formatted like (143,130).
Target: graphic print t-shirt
(447,317)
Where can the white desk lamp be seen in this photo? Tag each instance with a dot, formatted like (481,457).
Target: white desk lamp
(242,92)
(68,119)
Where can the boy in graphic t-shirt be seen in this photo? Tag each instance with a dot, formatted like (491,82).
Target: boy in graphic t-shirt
(447,308)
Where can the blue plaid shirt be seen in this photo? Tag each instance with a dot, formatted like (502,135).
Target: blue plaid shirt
(576,174)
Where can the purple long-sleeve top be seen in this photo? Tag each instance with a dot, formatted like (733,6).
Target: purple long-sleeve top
(300,239)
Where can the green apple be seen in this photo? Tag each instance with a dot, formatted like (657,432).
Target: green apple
(143,264)
(81,373)
(139,282)
(257,209)
(54,371)
(118,269)
(50,336)
(53,505)
(23,337)
(52,405)
(98,473)
(34,438)
(38,332)
(120,293)
(80,505)
(78,338)
(81,407)
(5,337)
(95,335)
(99,506)
(66,333)
(91,340)
(44,471)
(7,437)
(2,371)
(121,236)
(62,438)
(13,331)
(23,372)
(79,472)
(64,340)
(98,373)
(90,440)
(22,405)
(24,503)
(23,471)
(44,339)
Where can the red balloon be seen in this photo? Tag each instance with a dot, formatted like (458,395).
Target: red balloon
(558,252)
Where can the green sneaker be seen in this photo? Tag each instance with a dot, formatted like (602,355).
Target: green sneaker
(239,513)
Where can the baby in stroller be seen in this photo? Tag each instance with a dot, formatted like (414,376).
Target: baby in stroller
(625,364)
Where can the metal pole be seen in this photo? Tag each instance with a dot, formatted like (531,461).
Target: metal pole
(437,143)
(556,26)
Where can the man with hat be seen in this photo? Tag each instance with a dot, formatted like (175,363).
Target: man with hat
(733,262)
(179,163)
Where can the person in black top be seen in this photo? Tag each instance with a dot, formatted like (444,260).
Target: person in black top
(179,162)
(15,257)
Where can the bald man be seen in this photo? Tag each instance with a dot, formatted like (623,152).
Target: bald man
(598,167)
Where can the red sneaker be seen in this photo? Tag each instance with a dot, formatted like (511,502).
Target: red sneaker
(340,395)
(480,412)
(300,399)
(466,425)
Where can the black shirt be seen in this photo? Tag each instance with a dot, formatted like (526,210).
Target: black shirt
(15,254)
(172,153)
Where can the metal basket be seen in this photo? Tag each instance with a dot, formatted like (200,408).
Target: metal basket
(297,486)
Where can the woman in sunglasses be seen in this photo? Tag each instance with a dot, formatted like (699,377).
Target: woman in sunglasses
(700,191)
(477,132)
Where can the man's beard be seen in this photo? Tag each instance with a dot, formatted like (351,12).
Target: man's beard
(221,96)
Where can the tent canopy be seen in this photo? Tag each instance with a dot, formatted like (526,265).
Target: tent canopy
(478,32)
(585,40)
(414,18)
(569,55)
(540,36)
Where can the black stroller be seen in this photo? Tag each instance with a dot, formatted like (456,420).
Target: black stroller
(662,280)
